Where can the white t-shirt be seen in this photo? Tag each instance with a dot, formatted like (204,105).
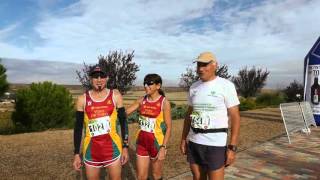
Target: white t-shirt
(210,101)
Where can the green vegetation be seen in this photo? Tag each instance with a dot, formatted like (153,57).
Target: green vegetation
(249,82)
(43,106)
(4,85)
(295,88)
(270,99)
(6,124)
(247,104)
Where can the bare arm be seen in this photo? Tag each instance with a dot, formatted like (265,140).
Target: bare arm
(118,98)
(167,119)
(235,124)
(186,123)
(185,131)
(133,107)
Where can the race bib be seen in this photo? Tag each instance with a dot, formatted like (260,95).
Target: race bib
(147,124)
(99,126)
(201,120)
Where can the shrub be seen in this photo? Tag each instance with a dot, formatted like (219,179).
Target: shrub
(293,90)
(43,106)
(247,104)
(133,117)
(178,112)
(270,99)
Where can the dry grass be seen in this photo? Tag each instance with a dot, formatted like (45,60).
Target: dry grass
(48,155)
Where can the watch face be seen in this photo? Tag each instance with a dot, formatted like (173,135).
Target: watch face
(232,148)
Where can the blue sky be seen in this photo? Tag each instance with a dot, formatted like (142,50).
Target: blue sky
(165,34)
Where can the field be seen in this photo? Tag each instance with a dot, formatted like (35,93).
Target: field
(49,154)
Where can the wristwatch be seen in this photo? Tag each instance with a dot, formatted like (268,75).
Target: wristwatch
(233,148)
(125,145)
(164,146)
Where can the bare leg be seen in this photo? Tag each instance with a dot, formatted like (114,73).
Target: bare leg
(142,167)
(92,173)
(198,172)
(114,170)
(217,174)
(157,169)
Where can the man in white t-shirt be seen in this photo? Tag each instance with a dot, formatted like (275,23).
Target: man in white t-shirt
(212,102)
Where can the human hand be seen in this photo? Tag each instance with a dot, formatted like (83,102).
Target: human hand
(183,146)
(231,156)
(162,153)
(124,156)
(77,162)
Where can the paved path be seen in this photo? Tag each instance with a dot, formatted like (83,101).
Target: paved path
(277,159)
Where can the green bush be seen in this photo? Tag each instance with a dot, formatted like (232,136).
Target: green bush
(133,117)
(178,112)
(43,106)
(270,99)
(247,104)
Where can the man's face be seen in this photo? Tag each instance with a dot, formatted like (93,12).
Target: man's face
(99,81)
(206,71)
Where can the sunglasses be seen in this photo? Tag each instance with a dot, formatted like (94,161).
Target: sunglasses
(97,75)
(148,83)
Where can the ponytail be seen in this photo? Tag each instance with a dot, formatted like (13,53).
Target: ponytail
(161,92)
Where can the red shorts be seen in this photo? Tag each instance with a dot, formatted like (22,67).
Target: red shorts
(147,145)
(100,164)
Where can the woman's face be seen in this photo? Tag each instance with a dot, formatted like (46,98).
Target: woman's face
(150,87)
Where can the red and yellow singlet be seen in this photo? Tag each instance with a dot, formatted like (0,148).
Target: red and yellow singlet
(152,127)
(102,143)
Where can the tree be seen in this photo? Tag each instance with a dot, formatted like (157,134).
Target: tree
(4,85)
(120,68)
(43,106)
(292,91)
(250,81)
(190,76)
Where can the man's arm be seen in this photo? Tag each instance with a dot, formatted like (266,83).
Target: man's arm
(122,116)
(185,131)
(235,129)
(235,124)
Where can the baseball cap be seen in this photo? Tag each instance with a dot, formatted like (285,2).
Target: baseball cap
(206,57)
(97,69)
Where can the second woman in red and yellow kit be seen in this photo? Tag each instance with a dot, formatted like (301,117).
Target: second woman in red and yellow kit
(154,128)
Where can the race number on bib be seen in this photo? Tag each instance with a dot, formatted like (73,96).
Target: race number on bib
(200,120)
(147,124)
(99,126)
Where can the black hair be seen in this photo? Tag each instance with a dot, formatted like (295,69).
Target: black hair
(156,79)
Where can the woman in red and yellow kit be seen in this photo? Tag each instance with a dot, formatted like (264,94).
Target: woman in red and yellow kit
(155,128)
(98,112)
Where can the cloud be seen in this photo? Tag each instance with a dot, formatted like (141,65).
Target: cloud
(168,35)
(29,71)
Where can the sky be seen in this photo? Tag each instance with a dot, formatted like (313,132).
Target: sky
(50,39)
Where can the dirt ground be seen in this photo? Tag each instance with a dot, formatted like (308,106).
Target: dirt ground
(49,154)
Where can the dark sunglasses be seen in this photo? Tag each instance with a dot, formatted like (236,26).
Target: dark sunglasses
(148,83)
(97,75)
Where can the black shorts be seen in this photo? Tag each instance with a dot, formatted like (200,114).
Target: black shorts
(210,158)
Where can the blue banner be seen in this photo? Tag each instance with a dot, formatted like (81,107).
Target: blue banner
(312,80)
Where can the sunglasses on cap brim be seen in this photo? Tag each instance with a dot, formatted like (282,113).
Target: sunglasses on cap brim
(97,75)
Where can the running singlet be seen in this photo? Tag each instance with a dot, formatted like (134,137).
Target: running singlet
(152,125)
(102,143)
